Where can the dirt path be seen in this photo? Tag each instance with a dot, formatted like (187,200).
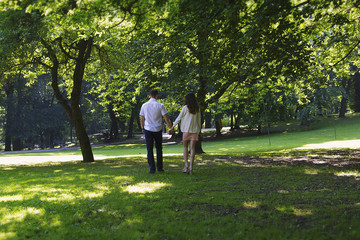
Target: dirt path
(30,160)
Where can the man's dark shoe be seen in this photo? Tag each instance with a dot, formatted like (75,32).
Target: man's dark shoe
(161,170)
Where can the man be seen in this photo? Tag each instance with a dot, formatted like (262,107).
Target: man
(151,123)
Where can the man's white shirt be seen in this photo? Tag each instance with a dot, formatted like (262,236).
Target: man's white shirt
(153,111)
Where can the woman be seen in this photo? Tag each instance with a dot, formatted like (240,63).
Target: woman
(190,126)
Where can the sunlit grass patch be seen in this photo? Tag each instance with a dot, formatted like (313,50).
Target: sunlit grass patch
(252,204)
(355,174)
(294,210)
(11,198)
(145,187)
(20,215)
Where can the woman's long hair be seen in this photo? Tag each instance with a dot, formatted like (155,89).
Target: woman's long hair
(191,102)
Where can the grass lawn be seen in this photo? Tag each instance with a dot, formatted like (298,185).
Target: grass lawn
(243,188)
(226,198)
(325,131)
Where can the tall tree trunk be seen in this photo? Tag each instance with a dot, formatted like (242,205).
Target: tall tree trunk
(134,112)
(114,130)
(343,107)
(73,110)
(82,135)
(18,141)
(207,118)
(218,125)
(201,94)
(346,84)
(9,90)
(131,123)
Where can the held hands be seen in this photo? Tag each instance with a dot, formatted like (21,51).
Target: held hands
(171,131)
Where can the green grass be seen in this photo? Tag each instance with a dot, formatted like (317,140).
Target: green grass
(325,131)
(243,188)
(226,198)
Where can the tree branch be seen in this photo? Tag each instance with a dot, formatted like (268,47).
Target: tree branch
(63,50)
(343,58)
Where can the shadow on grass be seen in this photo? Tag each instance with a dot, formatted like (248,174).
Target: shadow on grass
(228,197)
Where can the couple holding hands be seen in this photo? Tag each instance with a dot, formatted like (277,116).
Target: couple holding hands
(151,114)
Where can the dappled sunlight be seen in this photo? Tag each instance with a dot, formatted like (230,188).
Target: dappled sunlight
(283,191)
(61,194)
(58,198)
(355,174)
(351,144)
(92,195)
(19,216)
(251,204)
(119,198)
(173,165)
(145,187)
(8,168)
(7,235)
(294,210)
(324,190)
(133,221)
(311,171)
(11,198)
(123,178)
(302,212)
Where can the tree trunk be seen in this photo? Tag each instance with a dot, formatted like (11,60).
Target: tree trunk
(207,118)
(9,90)
(17,144)
(7,142)
(343,107)
(346,84)
(73,110)
(201,94)
(114,130)
(84,47)
(236,121)
(18,141)
(82,136)
(218,125)
(259,129)
(131,123)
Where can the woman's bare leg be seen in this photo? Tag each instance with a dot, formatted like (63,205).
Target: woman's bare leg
(186,153)
(192,155)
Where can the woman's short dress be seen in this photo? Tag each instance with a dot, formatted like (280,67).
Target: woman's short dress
(191,136)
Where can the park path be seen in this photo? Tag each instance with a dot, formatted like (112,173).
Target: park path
(45,156)
(38,159)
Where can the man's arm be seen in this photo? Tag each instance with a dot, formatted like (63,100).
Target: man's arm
(168,122)
(142,123)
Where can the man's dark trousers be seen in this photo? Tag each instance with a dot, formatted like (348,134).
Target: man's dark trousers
(150,138)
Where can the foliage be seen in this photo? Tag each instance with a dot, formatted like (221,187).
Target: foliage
(261,61)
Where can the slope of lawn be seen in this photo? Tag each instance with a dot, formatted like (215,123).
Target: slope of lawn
(244,188)
(327,130)
(227,197)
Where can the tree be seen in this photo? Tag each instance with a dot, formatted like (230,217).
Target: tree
(211,46)
(67,38)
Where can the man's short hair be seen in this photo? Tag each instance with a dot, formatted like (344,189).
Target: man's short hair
(154,93)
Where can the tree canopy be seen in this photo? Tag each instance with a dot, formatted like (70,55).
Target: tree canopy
(256,58)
